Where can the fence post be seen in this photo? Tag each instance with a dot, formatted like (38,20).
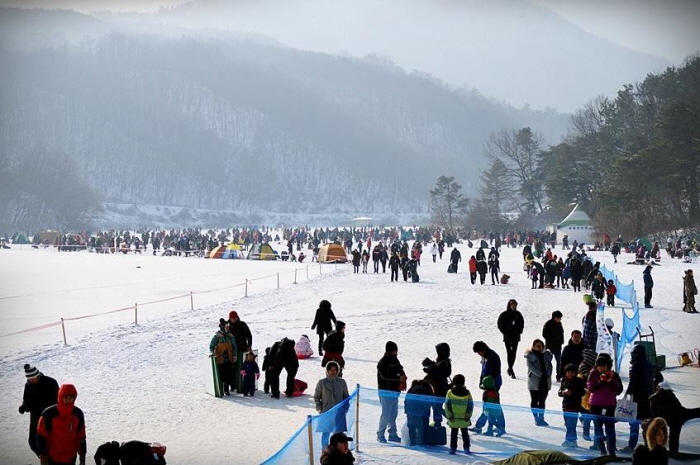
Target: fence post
(246,287)
(357,419)
(278,280)
(320,269)
(63,327)
(310,431)
(191,301)
(136,313)
(295,275)
(307,272)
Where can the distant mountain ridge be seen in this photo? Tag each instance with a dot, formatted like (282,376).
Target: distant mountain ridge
(511,50)
(236,124)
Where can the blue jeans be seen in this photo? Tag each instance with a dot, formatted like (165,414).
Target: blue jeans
(389,401)
(570,420)
(634,433)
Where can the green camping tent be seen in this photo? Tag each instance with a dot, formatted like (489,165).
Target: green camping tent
(20,238)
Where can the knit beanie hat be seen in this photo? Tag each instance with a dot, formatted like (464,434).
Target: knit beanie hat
(31,372)
(391,347)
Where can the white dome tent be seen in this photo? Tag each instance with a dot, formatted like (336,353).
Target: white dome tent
(577,225)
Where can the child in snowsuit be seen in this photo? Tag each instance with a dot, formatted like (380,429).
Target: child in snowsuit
(571,391)
(458,409)
(534,276)
(610,291)
(250,372)
(267,363)
(493,412)
(417,407)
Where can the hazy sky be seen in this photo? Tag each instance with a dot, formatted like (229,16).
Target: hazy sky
(665,28)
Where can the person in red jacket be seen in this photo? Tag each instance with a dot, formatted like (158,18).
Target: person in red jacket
(61,431)
(472,269)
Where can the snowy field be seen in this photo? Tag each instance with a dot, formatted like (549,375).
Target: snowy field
(145,381)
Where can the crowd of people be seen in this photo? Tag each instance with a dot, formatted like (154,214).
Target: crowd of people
(588,383)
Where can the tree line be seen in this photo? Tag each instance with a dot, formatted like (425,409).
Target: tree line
(631,162)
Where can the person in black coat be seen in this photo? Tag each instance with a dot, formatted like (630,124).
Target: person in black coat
(666,405)
(576,273)
(322,322)
(482,269)
(334,345)
(394,263)
(40,391)
(455,258)
(553,334)
(390,377)
(244,342)
(640,387)
(437,373)
(511,324)
(283,356)
(573,351)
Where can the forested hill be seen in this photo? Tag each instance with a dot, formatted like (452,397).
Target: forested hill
(231,123)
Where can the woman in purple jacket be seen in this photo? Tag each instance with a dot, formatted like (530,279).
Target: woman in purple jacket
(605,385)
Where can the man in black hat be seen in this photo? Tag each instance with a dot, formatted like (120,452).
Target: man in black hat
(40,391)
(391,380)
(338,451)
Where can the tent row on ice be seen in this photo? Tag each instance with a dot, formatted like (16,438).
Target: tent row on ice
(227,251)
(328,253)
(257,252)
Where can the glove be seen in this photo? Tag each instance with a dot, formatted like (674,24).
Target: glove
(243,372)
(257,375)
(22,409)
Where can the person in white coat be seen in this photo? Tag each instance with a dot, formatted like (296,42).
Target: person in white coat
(434,251)
(539,379)
(331,391)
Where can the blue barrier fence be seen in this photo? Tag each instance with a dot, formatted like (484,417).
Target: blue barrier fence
(360,415)
(630,317)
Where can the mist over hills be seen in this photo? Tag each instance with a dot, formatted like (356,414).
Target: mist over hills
(511,50)
(232,123)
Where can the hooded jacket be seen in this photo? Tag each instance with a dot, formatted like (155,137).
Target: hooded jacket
(511,324)
(535,373)
(322,320)
(419,399)
(641,381)
(330,391)
(572,353)
(61,430)
(223,347)
(459,407)
(437,372)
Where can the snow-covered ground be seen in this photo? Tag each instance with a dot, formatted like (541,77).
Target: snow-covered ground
(145,381)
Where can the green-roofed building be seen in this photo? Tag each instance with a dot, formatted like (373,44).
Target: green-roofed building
(577,225)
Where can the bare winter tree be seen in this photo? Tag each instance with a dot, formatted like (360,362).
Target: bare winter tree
(448,205)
